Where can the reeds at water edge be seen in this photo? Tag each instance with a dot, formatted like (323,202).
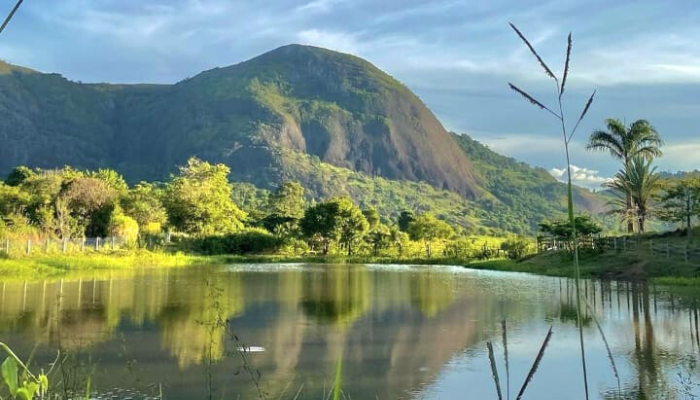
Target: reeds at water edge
(567,136)
(531,373)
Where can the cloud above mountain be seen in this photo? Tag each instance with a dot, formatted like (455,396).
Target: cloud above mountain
(581,176)
(642,56)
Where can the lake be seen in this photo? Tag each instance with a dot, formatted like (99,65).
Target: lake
(380,332)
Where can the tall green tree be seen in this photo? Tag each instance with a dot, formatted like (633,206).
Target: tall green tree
(379,237)
(44,188)
(336,219)
(288,200)
(427,228)
(18,175)
(405,219)
(251,199)
(285,208)
(624,143)
(112,178)
(372,216)
(90,202)
(398,238)
(353,224)
(143,203)
(320,224)
(680,201)
(198,200)
(639,182)
(13,200)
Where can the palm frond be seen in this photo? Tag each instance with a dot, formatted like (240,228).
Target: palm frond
(566,66)
(649,152)
(532,99)
(616,126)
(547,70)
(605,141)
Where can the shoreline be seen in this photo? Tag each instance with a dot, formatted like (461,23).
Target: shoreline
(606,266)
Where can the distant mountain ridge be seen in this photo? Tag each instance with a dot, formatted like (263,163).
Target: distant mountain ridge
(255,116)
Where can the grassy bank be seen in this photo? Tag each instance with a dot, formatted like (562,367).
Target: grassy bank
(637,266)
(92,264)
(608,265)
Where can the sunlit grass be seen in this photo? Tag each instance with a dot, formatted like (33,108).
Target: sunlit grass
(93,264)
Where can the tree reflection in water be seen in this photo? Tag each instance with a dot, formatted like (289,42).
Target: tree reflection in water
(398,331)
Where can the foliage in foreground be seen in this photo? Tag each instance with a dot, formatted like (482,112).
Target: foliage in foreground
(18,380)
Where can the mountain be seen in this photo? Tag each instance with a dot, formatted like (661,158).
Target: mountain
(334,106)
(296,112)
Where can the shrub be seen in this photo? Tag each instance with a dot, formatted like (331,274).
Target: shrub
(248,241)
(295,247)
(516,247)
(125,227)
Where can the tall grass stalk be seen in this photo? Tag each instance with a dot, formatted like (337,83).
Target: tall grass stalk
(504,331)
(494,370)
(338,381)
(531,373)
(10,15)
(607,346)
(535,364)
(560,86)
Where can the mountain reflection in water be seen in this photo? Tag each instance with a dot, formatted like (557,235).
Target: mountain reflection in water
(395,332)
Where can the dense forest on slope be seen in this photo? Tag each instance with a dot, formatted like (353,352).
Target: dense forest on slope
(332,121)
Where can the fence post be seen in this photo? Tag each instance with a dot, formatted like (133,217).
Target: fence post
(97,243)
(29,246)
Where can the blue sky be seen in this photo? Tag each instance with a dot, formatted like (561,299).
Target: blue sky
(643,57)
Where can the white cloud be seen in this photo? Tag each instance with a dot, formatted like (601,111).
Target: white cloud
(585,177)
(333,40)
(682,156)
(321,6)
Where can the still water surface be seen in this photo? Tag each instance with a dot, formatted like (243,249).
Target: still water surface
(382,332)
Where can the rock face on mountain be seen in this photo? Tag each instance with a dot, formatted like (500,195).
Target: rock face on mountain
(334,106)
(294,113)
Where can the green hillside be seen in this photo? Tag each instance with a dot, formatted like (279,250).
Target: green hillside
(522,189)
(330,120)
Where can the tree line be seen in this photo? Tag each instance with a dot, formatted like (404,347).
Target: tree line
(198,207)
(640,191)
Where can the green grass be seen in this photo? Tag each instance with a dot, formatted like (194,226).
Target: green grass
(93,264)
(636,266)
(608,265)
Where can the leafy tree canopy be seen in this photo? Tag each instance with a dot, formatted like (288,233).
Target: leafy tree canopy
(199,200)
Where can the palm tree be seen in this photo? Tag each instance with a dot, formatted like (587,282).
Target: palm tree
(625,143)
(638,182)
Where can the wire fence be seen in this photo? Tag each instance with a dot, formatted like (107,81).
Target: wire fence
(657,247)
(52,245)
